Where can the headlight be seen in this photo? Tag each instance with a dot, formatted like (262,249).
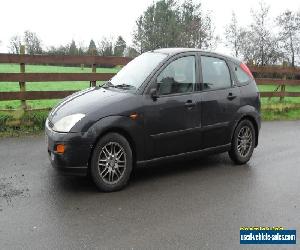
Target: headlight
(65,124)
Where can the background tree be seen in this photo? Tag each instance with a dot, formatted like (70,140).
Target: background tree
(157,27)
(60,50)
(265,46)
(32,43)
(120,46)
(197,29)
(130,52)
(289,35)
(92,50)
(14,44)
(138,36)
(235,36)
(106,47)
(73,50)
(82,50)
(166,24)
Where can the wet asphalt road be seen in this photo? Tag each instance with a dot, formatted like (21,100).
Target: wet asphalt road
(196,204)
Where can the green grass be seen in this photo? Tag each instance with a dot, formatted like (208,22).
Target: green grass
(290,114)
(44,86)
(19,123)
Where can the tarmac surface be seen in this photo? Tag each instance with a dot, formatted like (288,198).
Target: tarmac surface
(191,204)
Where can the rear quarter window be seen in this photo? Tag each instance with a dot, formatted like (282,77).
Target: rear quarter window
(241,75)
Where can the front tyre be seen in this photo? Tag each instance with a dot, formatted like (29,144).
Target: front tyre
(111,163)
(243,142)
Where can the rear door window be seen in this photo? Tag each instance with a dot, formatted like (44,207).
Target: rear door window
(215,73)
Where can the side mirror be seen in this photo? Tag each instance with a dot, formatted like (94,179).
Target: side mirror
(154,94)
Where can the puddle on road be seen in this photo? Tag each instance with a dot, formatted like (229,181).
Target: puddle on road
(12,188)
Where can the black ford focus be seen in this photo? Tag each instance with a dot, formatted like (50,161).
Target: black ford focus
(164,104)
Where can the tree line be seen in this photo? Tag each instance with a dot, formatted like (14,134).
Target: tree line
(105,47)
(166,23)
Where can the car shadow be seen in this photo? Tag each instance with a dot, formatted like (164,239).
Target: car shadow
(142,175)
(181,167)
(72,184)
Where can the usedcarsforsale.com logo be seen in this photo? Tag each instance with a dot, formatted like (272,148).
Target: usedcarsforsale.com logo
(255,235)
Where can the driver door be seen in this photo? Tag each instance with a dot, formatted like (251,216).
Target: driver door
(172,120)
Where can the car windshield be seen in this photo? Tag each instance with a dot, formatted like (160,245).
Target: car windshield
(136,71)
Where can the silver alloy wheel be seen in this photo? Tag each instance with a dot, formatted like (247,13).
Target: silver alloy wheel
(112,162)
(244,141)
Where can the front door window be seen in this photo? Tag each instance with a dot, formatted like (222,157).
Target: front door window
(177,77)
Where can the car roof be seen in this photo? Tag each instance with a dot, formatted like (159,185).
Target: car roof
(174,51)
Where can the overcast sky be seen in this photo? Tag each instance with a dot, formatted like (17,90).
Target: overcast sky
(59,21)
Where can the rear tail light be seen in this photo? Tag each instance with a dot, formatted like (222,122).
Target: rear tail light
(246,69)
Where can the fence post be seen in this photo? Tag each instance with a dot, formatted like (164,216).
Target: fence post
(22,84)
(282,87)
(93,83)
(94,69)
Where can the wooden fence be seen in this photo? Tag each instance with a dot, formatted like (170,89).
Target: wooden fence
(287,75)
(22,77)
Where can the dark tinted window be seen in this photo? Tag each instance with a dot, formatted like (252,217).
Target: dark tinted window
(215,73)
(177,77)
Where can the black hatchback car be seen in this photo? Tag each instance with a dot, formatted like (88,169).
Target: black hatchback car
(164,104)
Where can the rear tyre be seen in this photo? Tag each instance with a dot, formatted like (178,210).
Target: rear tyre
(111,164)
(243,142)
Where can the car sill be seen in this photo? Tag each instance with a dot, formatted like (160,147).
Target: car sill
(217,149)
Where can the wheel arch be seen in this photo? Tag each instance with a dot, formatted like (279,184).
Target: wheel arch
(120,131)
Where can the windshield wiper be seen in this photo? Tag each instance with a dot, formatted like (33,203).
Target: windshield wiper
(124,86)
(108,84)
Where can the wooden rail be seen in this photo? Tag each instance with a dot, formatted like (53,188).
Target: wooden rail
(279,94)
(272,81)
(274,69)
(64,60)
(93,61)
(35,95)
(54,77)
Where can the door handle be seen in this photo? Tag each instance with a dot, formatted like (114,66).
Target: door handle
(231,96)
(190,104)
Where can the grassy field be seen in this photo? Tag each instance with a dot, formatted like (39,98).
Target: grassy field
(44,86)
(280,110)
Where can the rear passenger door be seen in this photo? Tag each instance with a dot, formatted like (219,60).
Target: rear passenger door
(220,101)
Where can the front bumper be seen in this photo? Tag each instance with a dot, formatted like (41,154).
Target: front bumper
(78,148)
